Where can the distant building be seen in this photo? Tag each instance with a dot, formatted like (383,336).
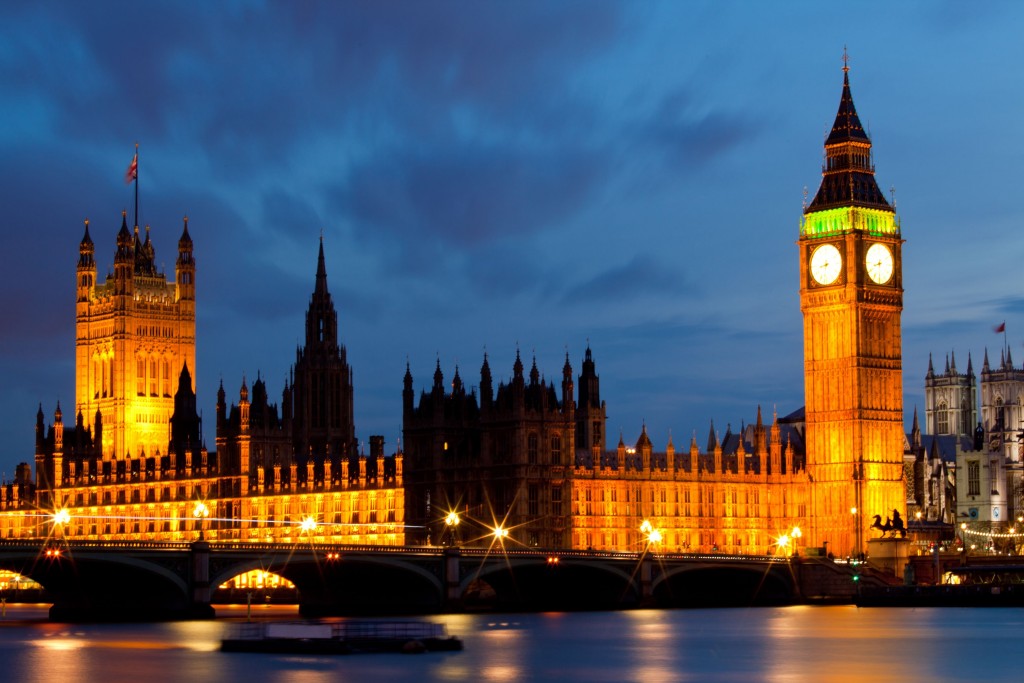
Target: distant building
(988,466)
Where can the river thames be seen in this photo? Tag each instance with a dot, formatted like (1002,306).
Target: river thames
(820,644)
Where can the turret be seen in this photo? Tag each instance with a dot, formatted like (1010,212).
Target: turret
(486,386)
(643,448)
(590,409)
(185,266)
(222,407)
(124,260)
(775,446)
(407,393)
(243,407)
(86,266)
(567,388)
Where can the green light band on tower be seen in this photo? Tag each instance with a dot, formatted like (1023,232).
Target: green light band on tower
(847,219)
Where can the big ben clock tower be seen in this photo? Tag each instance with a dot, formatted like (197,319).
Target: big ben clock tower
(851,296)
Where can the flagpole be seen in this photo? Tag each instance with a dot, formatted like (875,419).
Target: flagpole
(136,185)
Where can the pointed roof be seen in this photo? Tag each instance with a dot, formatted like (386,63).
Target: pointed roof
(849,176)
(847,126)
(185,239)
(644,441)
(321,270)
(86,239)
(485,370)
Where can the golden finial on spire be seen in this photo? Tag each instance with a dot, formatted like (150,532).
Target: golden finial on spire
(846,61)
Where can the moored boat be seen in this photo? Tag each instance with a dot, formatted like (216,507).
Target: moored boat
(346,637)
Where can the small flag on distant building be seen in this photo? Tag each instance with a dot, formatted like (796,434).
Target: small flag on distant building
(133,170)
(1001,327)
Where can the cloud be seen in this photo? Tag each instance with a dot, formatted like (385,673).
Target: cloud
(642,276)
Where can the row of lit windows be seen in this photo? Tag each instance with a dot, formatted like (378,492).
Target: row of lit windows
(154,373)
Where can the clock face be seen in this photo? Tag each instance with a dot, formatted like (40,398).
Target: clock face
(879,263)
(826,264)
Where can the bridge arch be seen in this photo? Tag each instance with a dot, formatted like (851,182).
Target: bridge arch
(714,584)
(351,583)
(98,585)
(536,582)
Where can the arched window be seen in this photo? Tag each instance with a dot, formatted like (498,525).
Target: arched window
(942,419)
(531,449)
(140,377)
(556,450)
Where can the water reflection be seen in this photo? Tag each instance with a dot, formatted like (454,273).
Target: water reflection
(821,644)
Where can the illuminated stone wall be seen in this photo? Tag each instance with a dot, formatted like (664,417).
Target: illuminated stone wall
(133,334)
(739,503)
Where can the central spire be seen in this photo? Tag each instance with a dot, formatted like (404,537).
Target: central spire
(321,318)
(321,270)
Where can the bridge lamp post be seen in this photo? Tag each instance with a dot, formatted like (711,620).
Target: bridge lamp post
(963,537)
(500,534)
(795,534)
(451,522)
(61,518)
(856,551)
(651,535)
(783,543)
(200,512)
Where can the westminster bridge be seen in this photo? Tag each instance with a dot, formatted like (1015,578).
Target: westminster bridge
(89,580)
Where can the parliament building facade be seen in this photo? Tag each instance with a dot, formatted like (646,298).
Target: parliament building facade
(525,460)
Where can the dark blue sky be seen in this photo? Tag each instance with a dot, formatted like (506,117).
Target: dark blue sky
(495,174)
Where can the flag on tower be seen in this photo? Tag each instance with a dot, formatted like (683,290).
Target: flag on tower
(1001,327)
(133,170)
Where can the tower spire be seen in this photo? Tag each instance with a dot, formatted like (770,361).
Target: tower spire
(321,270)
(848,175)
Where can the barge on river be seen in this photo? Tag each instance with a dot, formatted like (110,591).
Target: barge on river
(340,638)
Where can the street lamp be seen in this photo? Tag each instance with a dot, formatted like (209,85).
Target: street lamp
(796,534)
(963,537)
(200,512)
(451,522)
(783,543)
(651,534)
(856,533)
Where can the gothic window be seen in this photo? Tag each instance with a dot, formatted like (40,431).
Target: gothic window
(973,478)
(152,378)
(556,450)
(942,419)
(531,449)
(533,501)
(597,433)
(965,419)
(165,377)
(140,377)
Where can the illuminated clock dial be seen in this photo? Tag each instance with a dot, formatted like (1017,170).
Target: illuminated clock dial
(879,263)
(826,264)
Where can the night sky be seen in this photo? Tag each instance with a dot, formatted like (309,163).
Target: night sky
(502,175)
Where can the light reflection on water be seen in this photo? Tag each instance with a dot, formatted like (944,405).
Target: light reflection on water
(781,645)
